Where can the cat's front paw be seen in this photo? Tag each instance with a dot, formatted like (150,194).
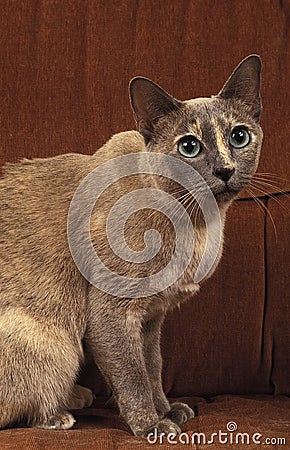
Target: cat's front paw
(164,426)
(179,413)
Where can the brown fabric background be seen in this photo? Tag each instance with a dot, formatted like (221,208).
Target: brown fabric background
(65,68)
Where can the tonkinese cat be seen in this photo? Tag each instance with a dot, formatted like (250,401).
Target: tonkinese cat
(48,309)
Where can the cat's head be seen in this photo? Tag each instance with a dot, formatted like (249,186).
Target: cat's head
(220,136)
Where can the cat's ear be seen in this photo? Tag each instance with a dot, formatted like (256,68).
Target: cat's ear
(149,103)
(244,84)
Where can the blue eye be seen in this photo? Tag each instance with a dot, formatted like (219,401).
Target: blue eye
(189,146)
(239,137)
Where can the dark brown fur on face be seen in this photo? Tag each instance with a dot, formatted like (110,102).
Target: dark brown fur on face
(47,308)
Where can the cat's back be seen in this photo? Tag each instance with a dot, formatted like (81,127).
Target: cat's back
(32,191)
(45,186)
(35,196)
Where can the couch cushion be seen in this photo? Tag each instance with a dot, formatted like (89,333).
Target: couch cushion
(213,344)
(277,308)
(101,429)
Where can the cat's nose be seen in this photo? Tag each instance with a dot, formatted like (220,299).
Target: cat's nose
(224,173)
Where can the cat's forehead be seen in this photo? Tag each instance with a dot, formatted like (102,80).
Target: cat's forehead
(206,114)
(204,109)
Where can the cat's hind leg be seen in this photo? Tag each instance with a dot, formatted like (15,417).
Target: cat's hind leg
(38,366)
(80,397)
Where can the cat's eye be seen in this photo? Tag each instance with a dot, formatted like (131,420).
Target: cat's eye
(189,146)
(239,137)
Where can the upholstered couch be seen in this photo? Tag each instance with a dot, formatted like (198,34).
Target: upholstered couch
(65,66)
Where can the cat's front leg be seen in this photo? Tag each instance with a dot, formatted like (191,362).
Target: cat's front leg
(153,360)
(178,412)
(115,338)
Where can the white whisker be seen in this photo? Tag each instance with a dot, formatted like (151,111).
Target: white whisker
(265,210)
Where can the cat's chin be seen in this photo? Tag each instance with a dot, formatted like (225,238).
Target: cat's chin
(226,195)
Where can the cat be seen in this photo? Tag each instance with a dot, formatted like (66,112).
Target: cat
(48,309)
